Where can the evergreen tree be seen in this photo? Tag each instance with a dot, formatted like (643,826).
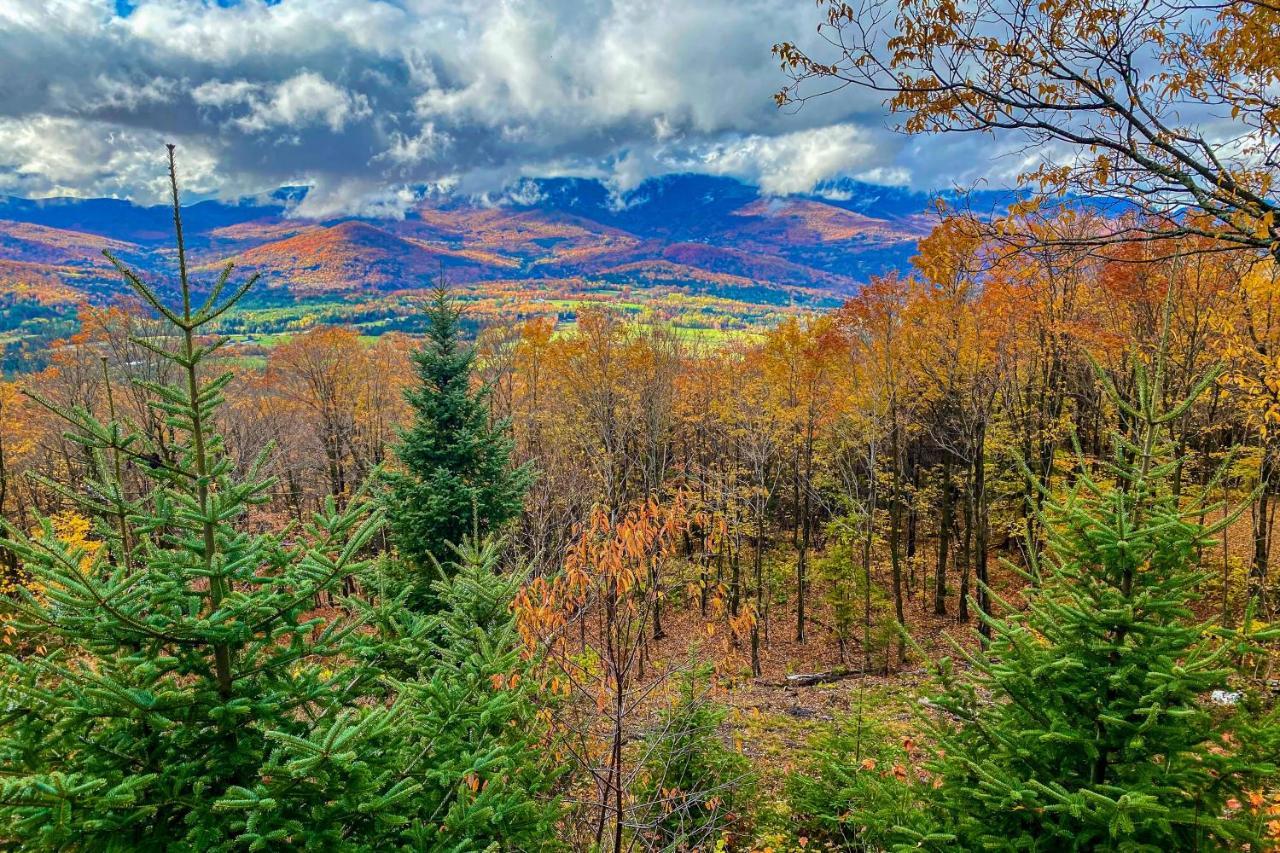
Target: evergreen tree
(693,788)
(182,696)
(1084,725)
(457,477)
(851,789)
(486,775)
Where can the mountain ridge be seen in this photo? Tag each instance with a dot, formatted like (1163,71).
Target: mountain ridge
(703,251)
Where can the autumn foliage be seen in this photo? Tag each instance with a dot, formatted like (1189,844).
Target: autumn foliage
(981,558)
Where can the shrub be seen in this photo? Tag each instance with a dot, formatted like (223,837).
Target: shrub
(692,788)
(858,787)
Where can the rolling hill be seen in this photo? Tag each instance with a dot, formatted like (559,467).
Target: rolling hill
(359,256)
(688,249)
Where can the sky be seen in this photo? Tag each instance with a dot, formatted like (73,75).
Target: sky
(372,102)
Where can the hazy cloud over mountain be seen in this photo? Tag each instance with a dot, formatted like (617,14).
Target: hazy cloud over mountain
(367,100)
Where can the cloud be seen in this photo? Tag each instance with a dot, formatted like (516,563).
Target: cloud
(300,101)
(46,156)
(424,146)
(364,100)
(356,197)
(220,93)
(794,162)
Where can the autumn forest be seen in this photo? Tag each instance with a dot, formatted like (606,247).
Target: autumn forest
(974,552)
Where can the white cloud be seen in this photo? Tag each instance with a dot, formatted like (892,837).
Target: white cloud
(358,96)
(255,34)
(784,164)
(304,99)
(50,157)
(426,145)
(793,162)
(107,92)
(889,176)
(219,93)
(355,197)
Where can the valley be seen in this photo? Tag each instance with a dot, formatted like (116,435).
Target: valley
(709,257)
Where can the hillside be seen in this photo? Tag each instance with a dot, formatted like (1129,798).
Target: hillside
(700,252)
(359,256)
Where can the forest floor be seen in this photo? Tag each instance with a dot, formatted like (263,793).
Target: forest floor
(773,722)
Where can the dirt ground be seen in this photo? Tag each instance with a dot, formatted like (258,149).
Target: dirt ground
(772,721)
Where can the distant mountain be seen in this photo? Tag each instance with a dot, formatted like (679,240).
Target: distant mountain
(559,226)
(123,220)
(356,255)
(550,241)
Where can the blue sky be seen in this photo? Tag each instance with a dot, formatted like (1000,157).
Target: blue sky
(369,101)
(124,7)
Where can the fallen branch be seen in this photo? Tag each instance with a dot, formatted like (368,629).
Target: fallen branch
(811,679)
(814,678)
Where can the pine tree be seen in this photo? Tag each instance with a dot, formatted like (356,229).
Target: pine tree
(693,788)
(852,788)
(182,696)
(487,776)
(1084,725)
(457,477)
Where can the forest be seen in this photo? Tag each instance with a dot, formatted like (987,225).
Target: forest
(980,559)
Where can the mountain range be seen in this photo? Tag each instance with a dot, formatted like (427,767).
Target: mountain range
(712,243)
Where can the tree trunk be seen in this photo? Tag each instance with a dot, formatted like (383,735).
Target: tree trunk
(965,551)
(759,581)
(866,561)
(656,579)
(1262,513)
(806,532)
(800,579)
(983,531)
(913,523)
(944,541)
(704,560)
(735,578)
(895,521)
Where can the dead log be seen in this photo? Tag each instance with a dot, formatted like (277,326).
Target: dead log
(812,679)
